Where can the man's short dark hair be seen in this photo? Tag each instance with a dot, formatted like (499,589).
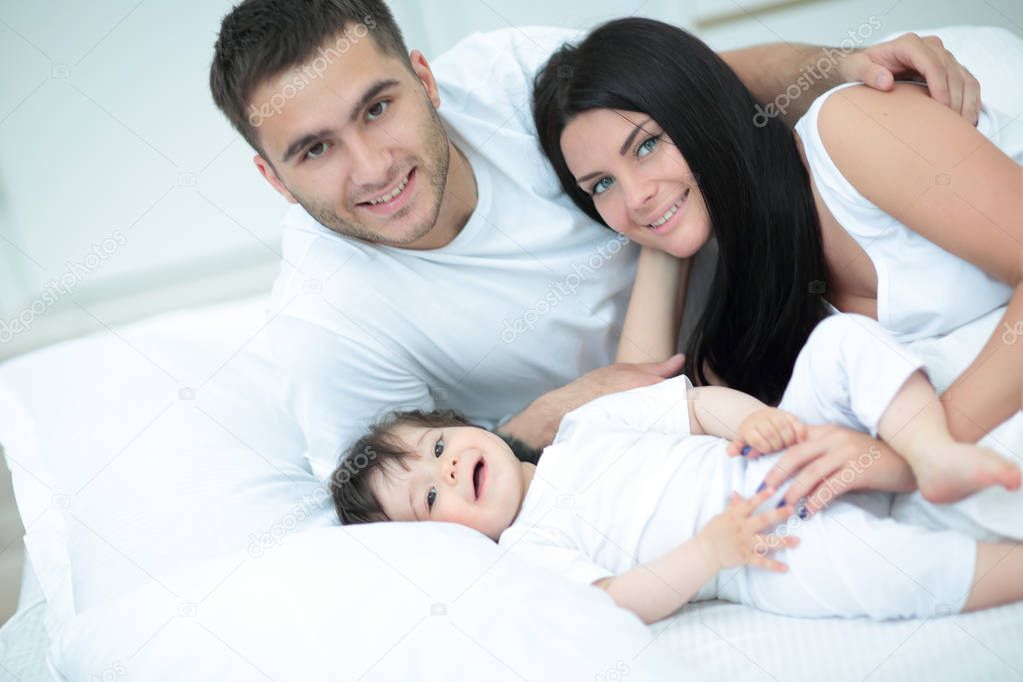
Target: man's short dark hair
(260,39)
(379,450)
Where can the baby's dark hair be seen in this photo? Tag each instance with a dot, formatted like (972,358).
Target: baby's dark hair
(380,450)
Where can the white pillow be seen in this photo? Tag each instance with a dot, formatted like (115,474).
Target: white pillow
(151,448)
(401,601)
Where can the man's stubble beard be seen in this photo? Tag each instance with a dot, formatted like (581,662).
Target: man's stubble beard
(437,148)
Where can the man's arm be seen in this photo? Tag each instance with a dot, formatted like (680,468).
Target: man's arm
(773,73)
(538,423)
(337,385)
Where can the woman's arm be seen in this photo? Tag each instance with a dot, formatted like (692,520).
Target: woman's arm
(773,72)
(652,322)
(931,170)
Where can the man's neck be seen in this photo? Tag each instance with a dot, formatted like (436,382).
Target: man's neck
(459,200)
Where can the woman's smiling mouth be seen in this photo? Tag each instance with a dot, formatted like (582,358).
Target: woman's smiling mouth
(664,223)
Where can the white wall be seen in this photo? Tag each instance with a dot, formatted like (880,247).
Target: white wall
(108,132)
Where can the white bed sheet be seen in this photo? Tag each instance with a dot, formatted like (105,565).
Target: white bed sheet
(735,641)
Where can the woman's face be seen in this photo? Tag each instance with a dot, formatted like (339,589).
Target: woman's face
(639,182)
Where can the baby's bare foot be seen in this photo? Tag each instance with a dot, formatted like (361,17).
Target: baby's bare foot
(952,472)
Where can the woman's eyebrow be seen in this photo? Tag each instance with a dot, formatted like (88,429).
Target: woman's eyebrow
(632,136)
(625,148)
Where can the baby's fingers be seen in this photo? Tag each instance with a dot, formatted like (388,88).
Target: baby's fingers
(784,427)
(772,518)
(770,565)
(765,544)
(767,438)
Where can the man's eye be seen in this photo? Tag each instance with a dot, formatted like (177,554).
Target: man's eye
(431,497)
(316,151)
(438,447)
(602,185)
(377,110)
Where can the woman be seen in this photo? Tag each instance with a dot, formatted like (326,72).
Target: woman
(884,204)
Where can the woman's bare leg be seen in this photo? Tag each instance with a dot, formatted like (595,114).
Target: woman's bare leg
(998,578)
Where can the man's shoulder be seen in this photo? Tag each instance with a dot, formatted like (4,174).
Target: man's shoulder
(525,44)
(502,61)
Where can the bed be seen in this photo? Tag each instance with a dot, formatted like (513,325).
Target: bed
(174,531)
(134,605)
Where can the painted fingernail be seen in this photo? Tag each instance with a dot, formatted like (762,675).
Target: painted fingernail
(745,451)
(762,488)
(803,511)
(781,503)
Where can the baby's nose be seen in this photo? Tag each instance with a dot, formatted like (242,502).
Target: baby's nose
(452,472)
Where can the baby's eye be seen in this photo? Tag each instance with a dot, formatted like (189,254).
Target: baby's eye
(431,497)
(647,147)
(438,447)
(602,185)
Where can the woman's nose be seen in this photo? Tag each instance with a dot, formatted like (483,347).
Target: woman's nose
(638,197)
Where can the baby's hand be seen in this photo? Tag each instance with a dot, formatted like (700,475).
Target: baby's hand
(767,430)
(731,538)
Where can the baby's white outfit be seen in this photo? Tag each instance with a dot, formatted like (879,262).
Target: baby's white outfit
(625,482)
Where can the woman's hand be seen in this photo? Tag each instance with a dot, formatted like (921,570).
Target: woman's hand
(834,460)
(948,81)
(767,430)
(732,537)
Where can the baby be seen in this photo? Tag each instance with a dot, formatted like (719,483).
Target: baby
(637,497)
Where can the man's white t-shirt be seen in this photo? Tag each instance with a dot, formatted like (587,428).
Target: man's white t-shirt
(623,483)
(530,295)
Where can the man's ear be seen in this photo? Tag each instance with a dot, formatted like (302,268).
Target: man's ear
(421,67)
(267,171)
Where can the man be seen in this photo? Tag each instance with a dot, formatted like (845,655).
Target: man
(430,260)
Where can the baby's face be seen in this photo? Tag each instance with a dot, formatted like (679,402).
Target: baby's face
(461,474)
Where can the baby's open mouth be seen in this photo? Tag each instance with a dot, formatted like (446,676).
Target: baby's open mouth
(477,475)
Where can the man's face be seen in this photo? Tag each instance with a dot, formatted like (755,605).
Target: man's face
(359,145)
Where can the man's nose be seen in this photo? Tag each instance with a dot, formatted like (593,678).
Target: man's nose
(370,165)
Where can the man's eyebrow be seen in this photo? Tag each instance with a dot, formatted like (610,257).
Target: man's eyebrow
(625,147)
(373,91)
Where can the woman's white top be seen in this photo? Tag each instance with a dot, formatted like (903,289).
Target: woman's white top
(922,289)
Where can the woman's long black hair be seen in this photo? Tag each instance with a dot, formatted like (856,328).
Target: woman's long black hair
(769,280)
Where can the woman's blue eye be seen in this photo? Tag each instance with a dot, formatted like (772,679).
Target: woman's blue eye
(431,497)
(602,185)
(377,110)
(309,152)
(438,447)
(648,146)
